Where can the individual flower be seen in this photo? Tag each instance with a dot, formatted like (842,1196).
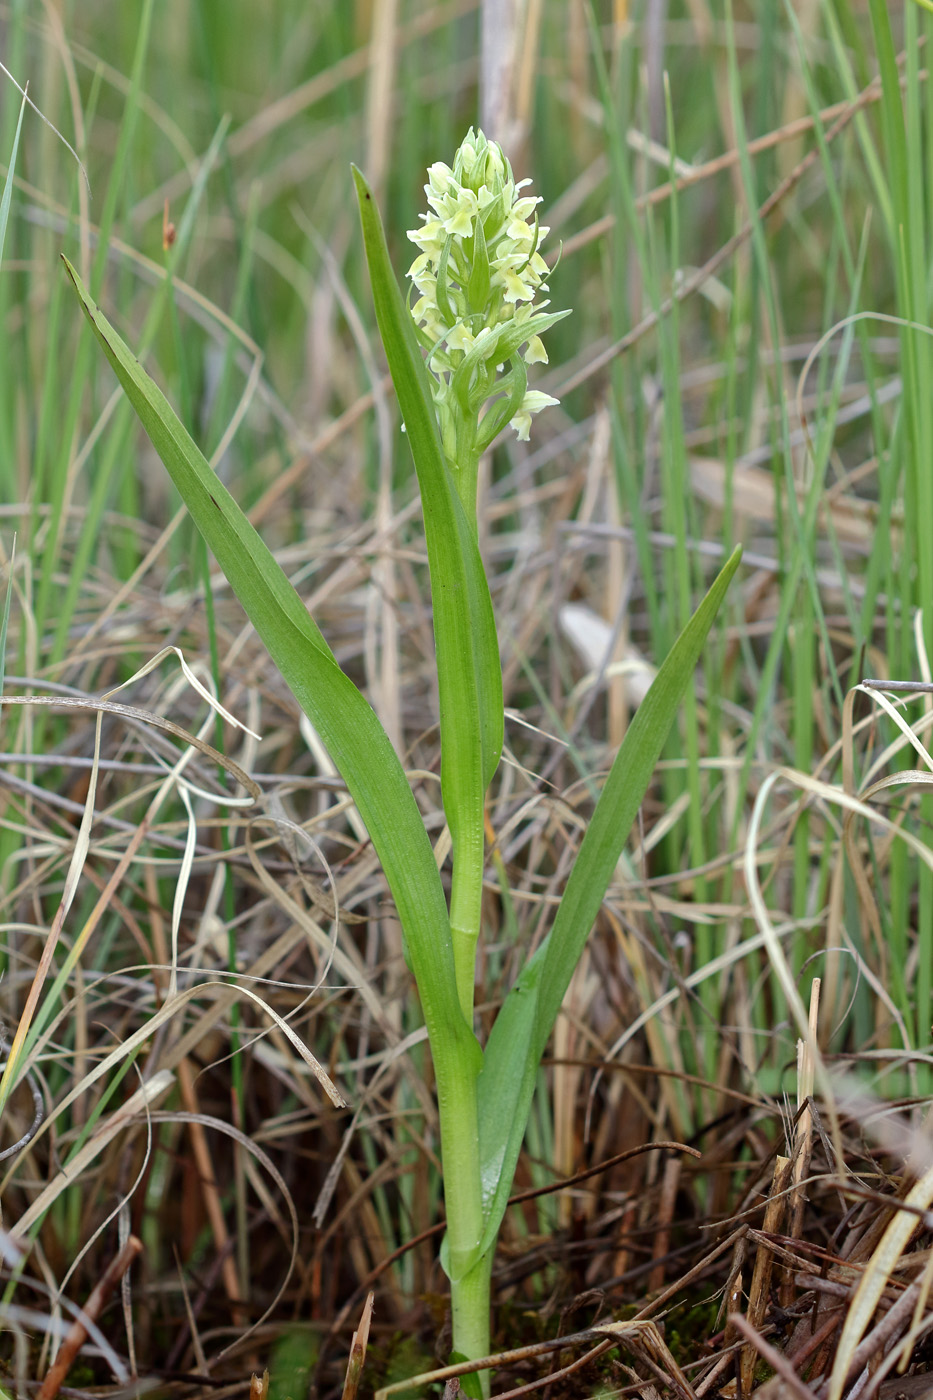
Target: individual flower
(532,402)
(478,274)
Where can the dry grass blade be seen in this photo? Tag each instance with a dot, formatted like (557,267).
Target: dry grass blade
(642,1338)
(787,1383)
(760,1286)
(543,1385)
(256,1152)
(876,1278)
(139,1103)
(358,1346)
(77,1335)
(146,717)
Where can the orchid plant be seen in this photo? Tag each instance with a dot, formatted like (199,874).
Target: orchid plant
(459,359)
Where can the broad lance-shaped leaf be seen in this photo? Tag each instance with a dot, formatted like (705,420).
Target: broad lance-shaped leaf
(345,721)
(521,1030)
(468,669)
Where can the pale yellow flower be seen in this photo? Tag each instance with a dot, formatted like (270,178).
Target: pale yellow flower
(475,289)
(533,402)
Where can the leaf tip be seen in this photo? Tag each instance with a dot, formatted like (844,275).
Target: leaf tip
(359,179)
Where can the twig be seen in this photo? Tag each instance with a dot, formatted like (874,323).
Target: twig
(77,1332)
(775,1359)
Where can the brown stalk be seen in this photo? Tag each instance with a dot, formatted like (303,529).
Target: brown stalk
(759,1287)
(78,1331)
(358,1346)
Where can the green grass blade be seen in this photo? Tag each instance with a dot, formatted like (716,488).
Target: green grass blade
(5,619)
(7,195)
(122,157)
(522,1028)
(5,201)
(345,721)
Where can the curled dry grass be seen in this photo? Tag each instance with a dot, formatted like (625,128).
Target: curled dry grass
(697,1207)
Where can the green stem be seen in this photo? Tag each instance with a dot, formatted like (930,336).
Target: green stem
(470,1305)
(469,1274)
(466,899)
(466,475)
(467,825)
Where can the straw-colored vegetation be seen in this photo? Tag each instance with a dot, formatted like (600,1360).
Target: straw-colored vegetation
(211,1039)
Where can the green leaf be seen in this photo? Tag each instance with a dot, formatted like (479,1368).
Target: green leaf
(521,1030)
(440,286)
(468,669)
(477,291)
(515,333)
(504,410)
(345,721)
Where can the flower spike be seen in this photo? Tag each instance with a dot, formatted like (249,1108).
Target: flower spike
(477,273)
